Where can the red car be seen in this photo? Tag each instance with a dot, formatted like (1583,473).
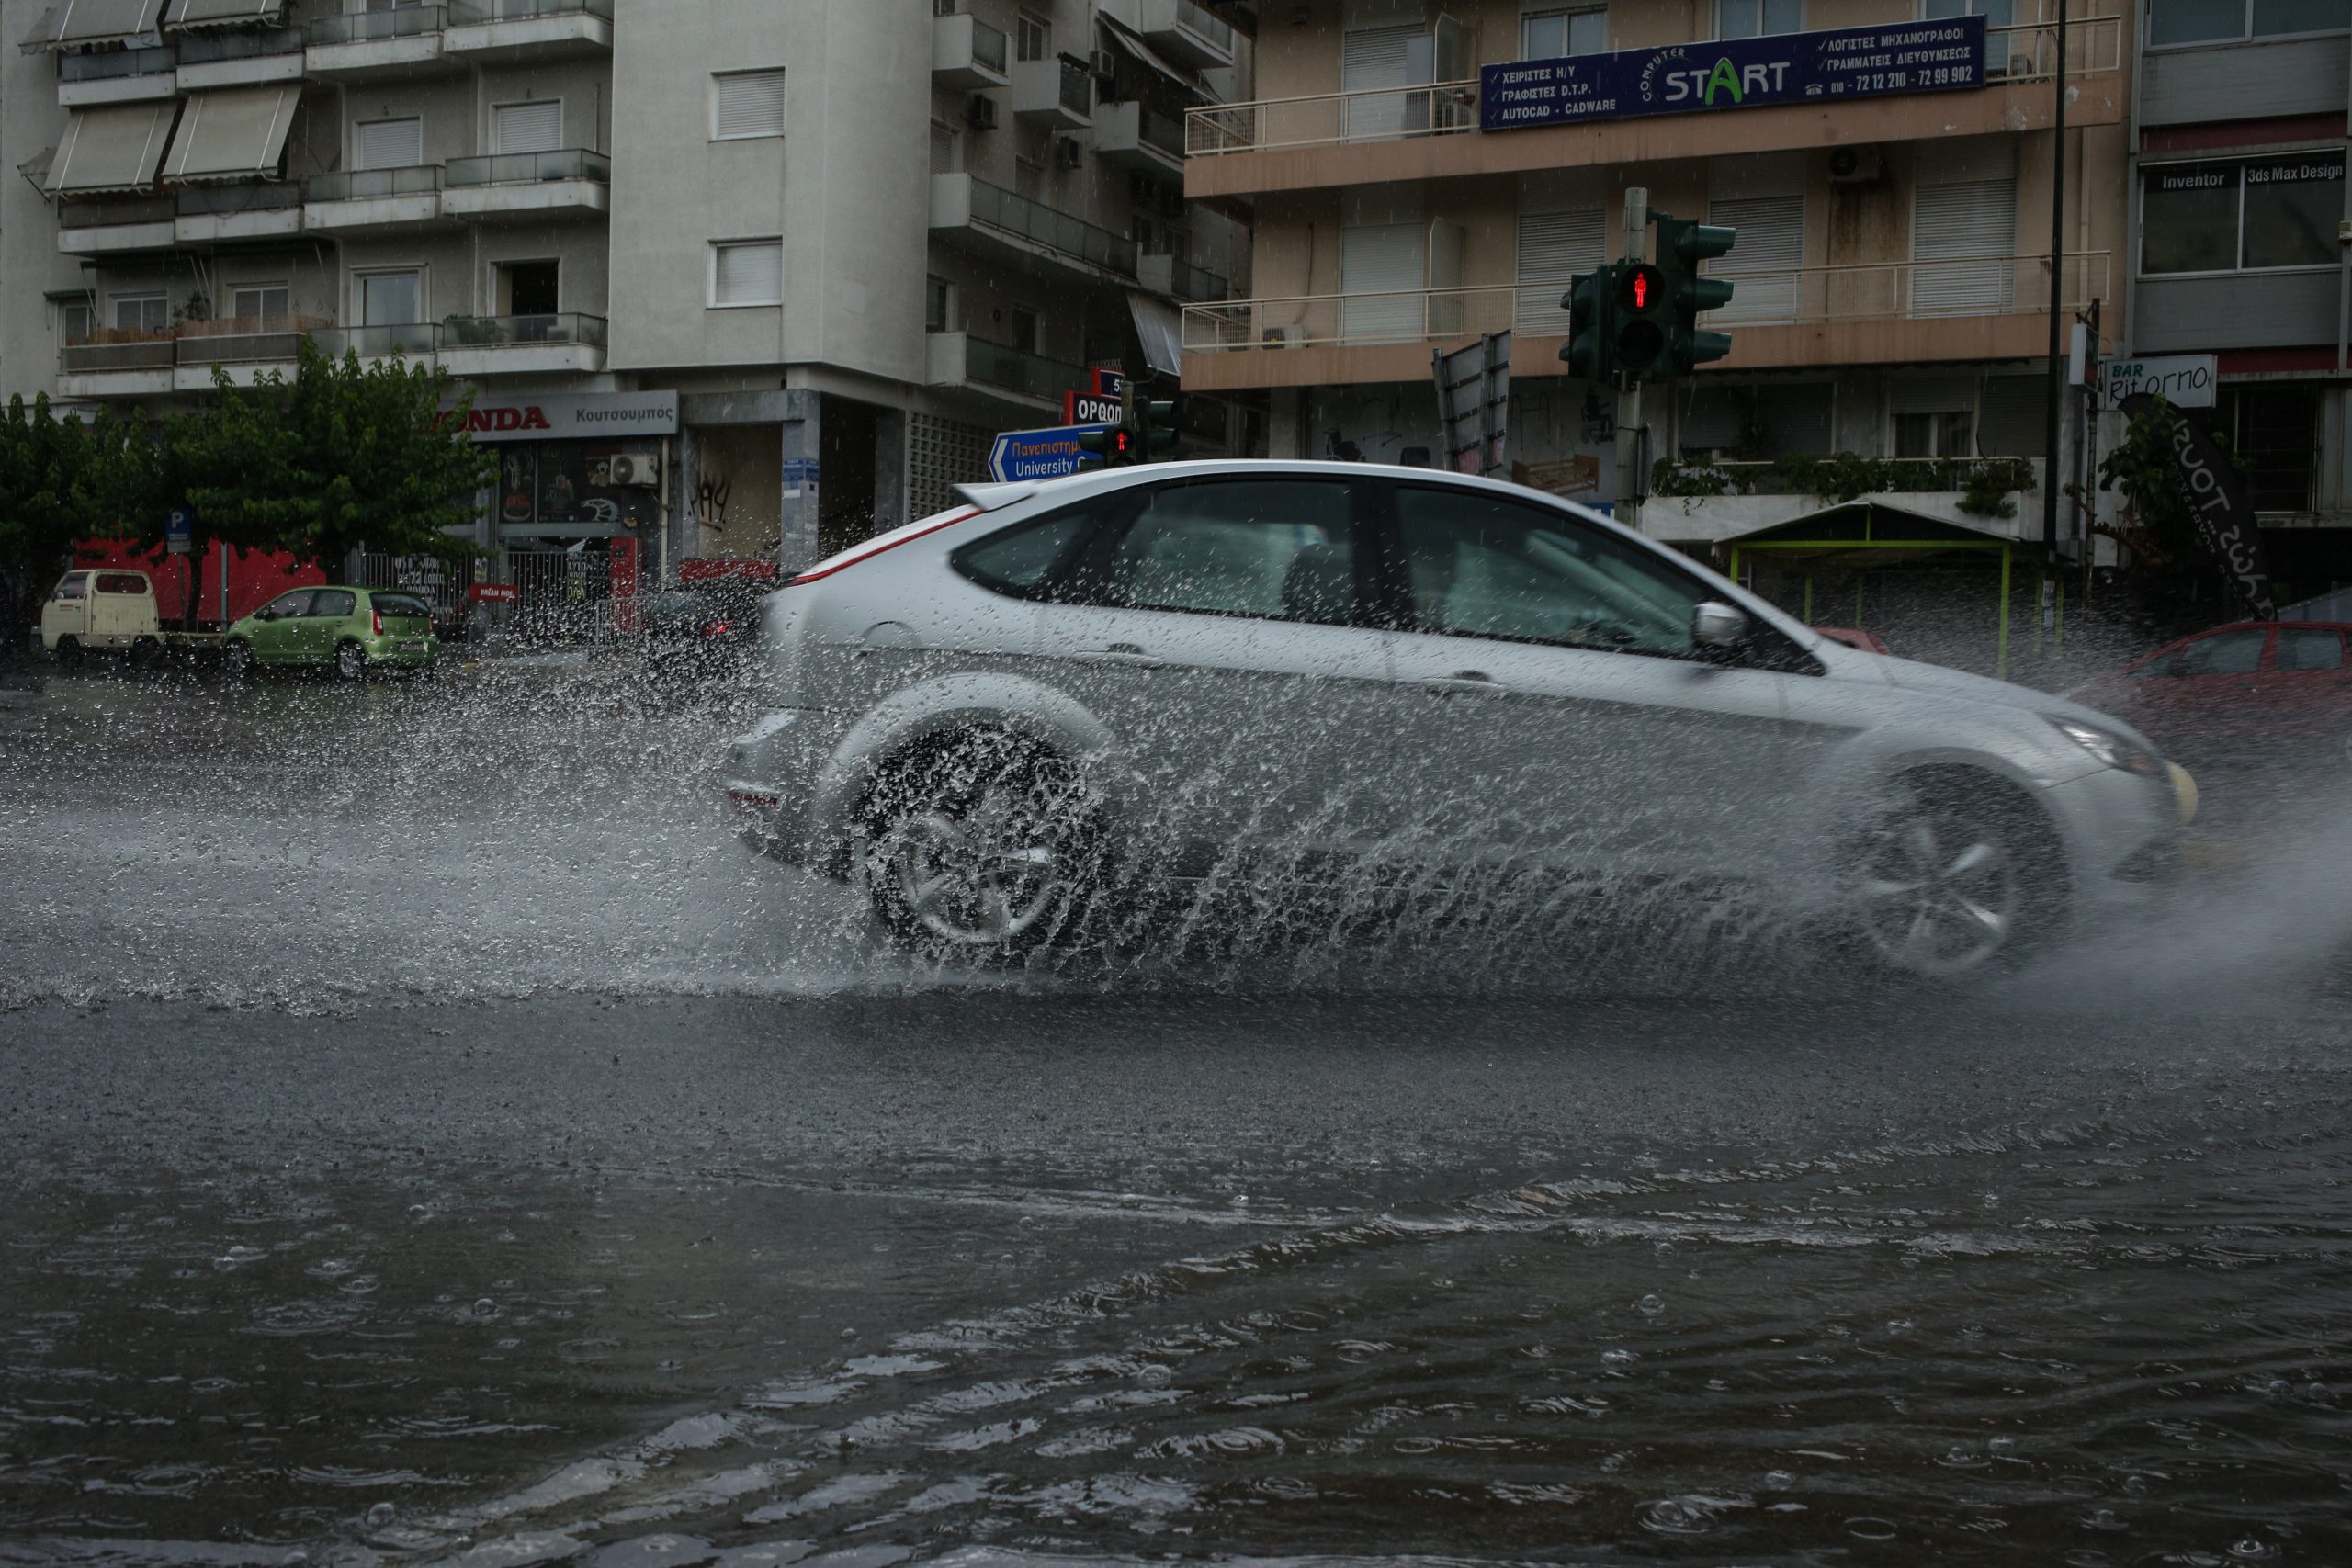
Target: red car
(2271,691)
(1853,637)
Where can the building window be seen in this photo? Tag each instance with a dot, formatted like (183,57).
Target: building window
(1035,35)
(2231,215)
(263,302)
(1555,248)
(1998,16)
(2211,21)
(946,148)
(1952,433)
(745,105)
(76,322)
(1024,329)
(746,272)
(391,299)
(946,8)
(2274,431)
(1555,32)
(141,313)
(535,126)
(938,305)
(1755,18)
(388,143)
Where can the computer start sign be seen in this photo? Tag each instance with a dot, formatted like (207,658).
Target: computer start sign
(1038,454)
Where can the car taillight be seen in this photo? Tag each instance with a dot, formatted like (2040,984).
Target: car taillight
(378,617)
(873,547)
(719,628)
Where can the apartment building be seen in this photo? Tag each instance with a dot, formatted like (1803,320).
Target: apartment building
(2238,292)
(1893,287)
(729,278)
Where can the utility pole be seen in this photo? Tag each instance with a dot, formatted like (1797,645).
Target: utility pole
(1629,388)
(2057,349)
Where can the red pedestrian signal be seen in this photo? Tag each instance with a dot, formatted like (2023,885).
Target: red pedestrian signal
(1641,288)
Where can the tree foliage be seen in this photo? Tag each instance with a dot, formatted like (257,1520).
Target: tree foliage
(2156,523)
(55,487)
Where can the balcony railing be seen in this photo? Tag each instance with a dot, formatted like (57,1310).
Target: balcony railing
(376,342)
(510,331)
(1195,19)
(378,26)
(987,46)
(373,185)
(1165,131)
(529,168)
(206,48)
(116,212)
(1906,291)
(1015,370)
(2028,52)
(1001,208)
(1186,281)
(117,349)
(197,201)
(120,63)
(474,13)
(245,340)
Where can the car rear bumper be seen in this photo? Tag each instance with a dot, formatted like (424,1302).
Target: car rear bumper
(403,650)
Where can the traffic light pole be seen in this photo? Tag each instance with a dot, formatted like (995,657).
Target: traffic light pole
(1629,388)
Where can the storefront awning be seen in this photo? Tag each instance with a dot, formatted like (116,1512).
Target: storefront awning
(232,133)
(223,12)
(1131,43)
(116,148)
(94,22)
(1161,330)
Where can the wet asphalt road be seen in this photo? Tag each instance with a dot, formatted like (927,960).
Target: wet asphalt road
(425,1134)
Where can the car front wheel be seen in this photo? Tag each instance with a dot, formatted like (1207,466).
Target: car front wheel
(1953,878)
(351,661)
(238,658)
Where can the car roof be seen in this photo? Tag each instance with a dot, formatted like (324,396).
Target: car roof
(1089,481)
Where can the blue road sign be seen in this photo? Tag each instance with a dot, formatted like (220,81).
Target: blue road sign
(1038,454)
(179,527)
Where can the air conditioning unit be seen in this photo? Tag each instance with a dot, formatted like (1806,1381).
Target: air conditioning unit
(634,468)
(1067,153)
(1857,166)
(1280,337)
(1104,63)
(981,114)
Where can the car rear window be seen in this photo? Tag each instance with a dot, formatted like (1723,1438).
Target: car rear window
(121,582)
(401,605)
(334,603)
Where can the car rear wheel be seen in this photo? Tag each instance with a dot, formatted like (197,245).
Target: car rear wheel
(986,844)
(1952,877)
(350,662)
(69,651)
(238,658)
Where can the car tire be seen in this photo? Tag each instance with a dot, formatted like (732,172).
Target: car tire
(984,845)
(237,658)
(1955,874)
(350,662)
(69,652)
(146,653)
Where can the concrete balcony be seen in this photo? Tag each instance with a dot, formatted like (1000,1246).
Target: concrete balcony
(567,342)
(246,349)
(1180,279)
(373,201)
(503,32)
(1057,93)
(1137,138)
(370,43)
(987,221)
(965,52)
(1186,31)
(247,212)
(117,363)
(116,226)
(524,186)
(240,58)
(415,342)
(127,75)
(1029,383)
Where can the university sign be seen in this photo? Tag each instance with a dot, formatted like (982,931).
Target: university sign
(1702,78)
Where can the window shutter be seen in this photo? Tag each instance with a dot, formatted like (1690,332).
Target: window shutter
(1372,58)
(1382,259)
(750,102)
(749,273)
(1963,238)
(388,144)
(1554,247)
(1763,266)
(526,127)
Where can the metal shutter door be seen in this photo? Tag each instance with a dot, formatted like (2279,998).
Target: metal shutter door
(1371,58)
(1963,238)
(1553,248)
(750,274)
(388,144)
(526,127)
(751,103)
(1762,268)
(1383,260)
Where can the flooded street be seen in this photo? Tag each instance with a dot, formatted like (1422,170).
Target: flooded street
(429,1137)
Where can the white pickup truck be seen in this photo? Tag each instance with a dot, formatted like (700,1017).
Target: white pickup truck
(110,609)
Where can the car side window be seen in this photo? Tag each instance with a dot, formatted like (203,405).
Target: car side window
(1018,560)
(2224,653)
(1483,566)
(75,586)
(2308,648)
(1278,549)
(331,604)
(121,582)
(286,605)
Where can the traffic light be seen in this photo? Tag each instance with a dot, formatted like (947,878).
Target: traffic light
(1645,320)
(1113,447)
(1589,303)
(1155,430)
(1681,246)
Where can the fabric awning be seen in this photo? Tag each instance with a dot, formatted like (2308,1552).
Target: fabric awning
(1132,44)
(232,133)
(1161,330)
(223,12)
(94,22)
(114,148)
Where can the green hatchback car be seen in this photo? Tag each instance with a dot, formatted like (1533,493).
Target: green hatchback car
(353,630)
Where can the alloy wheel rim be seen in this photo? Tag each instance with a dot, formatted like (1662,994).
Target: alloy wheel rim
(987,876)
(348,659)
(1937,896)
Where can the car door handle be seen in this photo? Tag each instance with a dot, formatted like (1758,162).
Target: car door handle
(1464,683)
(1121,653)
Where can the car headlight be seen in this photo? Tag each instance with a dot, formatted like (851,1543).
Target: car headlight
(2111,749)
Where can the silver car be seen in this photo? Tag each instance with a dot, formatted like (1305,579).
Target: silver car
(1342,676)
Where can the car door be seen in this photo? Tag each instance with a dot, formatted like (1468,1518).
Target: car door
(319,628)
(1552,705)
(2199,700)
(1215,625)
(2300,695)
(273,632)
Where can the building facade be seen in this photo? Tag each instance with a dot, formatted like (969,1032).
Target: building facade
(1893,287)
(2239,283)
(728,277)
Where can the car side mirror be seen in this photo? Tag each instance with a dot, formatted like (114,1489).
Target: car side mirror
(1718,627)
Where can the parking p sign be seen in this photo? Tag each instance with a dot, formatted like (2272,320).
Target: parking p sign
(179,530)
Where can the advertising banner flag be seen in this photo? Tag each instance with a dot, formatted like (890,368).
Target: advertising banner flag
(2217,501)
